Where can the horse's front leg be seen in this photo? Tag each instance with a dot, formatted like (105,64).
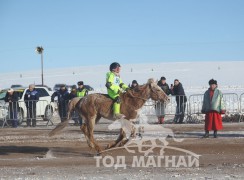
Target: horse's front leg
(121,136)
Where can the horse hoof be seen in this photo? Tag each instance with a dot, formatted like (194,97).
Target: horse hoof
(108,146)
(99,154)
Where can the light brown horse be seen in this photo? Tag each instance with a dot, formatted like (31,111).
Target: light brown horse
(94,106)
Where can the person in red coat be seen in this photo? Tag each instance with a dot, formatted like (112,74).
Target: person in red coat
(213,106)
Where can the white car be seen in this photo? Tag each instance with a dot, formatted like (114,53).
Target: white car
(44,107)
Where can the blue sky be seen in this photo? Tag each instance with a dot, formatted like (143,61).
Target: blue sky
(98,32)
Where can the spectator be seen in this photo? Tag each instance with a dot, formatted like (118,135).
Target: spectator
(72,93)
(181,100)
(63,100)
(160,107)
(81,91)
(31,98)
(134,84)
(13,107)
(213,106)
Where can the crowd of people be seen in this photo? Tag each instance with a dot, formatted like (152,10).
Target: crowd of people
(213,105)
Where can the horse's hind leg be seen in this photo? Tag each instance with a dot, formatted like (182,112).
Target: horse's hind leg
(83,128)
(91,141)
(122,135)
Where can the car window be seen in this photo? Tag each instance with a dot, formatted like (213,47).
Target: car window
(42,92)
(2,95)
(19,93)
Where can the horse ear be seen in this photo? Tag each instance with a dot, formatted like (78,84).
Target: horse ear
(150,81)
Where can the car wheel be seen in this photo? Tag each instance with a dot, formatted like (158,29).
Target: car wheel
(48,113)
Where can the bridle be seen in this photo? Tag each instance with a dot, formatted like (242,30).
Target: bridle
(145,99)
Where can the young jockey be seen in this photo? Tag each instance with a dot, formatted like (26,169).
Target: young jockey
(114,85)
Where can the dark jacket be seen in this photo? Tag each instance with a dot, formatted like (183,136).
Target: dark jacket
(72,94)
(165,88)
(179,92)
(63,96)
(13,101)
(31,98)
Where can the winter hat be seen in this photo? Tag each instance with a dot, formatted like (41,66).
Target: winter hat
(73,87)
(80,83)
(162,78)
(134,82)
(212,81)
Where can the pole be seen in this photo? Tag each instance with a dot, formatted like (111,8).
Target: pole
(42,67)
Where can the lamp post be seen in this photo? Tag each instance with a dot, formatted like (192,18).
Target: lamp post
(39,50)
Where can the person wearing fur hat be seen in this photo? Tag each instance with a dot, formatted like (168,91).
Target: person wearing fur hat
(213,106)
(160,107)
(134,84)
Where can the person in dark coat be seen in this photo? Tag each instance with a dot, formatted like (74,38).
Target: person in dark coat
(160,107)
(31,98)
(134,84)
(181,100)
(13,107)
(73,92)
(63,100)
(164,86)
(213,106)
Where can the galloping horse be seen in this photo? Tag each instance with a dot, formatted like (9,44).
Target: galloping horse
(95,106)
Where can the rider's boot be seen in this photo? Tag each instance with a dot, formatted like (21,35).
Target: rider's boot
(116,109)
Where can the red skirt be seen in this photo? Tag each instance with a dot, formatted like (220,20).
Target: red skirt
(213,121)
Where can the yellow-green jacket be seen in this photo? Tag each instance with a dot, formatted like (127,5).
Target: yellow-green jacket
(81,92)
(114,85)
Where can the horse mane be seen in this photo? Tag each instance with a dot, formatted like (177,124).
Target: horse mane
(136,97)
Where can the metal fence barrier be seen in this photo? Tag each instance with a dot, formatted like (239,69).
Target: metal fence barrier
(241,107)
(178,106)
(232,102)
(27,110)
(195,103)
(193,106)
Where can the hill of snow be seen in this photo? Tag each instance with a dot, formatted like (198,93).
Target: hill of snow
(193,75)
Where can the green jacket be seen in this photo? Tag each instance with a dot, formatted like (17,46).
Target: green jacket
(217,103)
(114,84)
(81,92)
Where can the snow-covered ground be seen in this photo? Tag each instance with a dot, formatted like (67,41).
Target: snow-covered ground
(193,75)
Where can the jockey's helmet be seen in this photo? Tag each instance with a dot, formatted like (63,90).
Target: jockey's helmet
(114,65)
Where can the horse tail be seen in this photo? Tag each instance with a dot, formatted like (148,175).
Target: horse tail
(63,124)
(59,127)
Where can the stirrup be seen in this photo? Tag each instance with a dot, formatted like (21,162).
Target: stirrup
(119,116)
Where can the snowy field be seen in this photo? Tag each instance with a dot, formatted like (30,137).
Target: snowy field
(193,75)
